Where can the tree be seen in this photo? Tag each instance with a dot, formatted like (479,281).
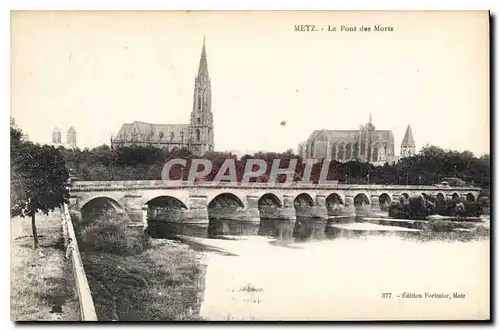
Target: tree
(38,179)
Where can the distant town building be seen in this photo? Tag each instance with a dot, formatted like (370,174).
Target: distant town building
(56,136)
(70,138)
(366,145)
(408,143)
(197,136)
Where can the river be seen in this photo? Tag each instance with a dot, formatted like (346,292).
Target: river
(344,278)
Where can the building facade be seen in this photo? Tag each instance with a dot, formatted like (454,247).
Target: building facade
(197,135)
(365,145)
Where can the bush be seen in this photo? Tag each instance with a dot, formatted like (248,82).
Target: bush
(112,236)
(132,281)
(397,210)
(156,285)
(419,208)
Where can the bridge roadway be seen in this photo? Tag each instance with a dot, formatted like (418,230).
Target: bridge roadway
(232,208)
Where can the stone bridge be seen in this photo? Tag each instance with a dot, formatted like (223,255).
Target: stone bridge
(203,209)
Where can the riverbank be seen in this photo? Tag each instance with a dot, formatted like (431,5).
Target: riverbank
(135,278)
(40,279)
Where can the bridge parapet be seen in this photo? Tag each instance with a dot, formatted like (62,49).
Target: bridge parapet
(159,184)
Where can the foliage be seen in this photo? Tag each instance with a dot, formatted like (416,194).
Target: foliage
(38,178)
(111,236)
(418,208)
(132,281)
(431,166)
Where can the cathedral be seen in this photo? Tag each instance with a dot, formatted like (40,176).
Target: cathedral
(366,145)
(197,136)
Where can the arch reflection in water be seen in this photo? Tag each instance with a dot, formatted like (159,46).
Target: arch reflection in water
(164,216)
(224,211)
(270,217)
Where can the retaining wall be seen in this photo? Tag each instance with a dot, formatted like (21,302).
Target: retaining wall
(87,309)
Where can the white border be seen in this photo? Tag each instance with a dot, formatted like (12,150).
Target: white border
(7,5)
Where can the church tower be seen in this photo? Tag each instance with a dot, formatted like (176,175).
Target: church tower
(201,134)
(56,137)
(71,137)
(408,143)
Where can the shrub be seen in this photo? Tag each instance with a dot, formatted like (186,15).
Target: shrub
(112,236)
(131,282)
(156,285)
(420,208)
(397,209)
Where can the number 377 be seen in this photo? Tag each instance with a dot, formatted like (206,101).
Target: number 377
(386,295)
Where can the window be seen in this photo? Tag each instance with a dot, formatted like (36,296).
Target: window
(198,121)
(182,135)
(172,135)
(197,134)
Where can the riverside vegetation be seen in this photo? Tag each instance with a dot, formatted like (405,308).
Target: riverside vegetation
(134,278)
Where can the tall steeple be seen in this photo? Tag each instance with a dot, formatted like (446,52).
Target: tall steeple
(369,125)
(408,140)
(203,68)
(408,143)
(201,135)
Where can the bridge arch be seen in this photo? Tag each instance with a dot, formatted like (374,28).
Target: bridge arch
(440,196)
(303,200)
(455,196)
(361,203)
(222,210)
(334,204)
(180,195)
(164,216)
(335,198)
(98,206)
(168,201)
(266,196)
(470,197)
(113,199)
(303,205)
(405,195)
(269,206)
(226,200)
(269,199)
(384,201)
(235,195)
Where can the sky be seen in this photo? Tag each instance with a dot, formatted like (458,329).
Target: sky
(97,70)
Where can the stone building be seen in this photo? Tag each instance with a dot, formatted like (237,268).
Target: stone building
(365,144)
(197,135)
(70,138)
(407,144)
(56,137)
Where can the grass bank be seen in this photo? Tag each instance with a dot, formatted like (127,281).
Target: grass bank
(43,278)
(134,278)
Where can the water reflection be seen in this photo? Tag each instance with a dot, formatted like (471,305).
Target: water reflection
(341,276)
(335,269)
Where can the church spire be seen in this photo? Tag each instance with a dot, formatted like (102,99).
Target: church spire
(408,140)
(203,69)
